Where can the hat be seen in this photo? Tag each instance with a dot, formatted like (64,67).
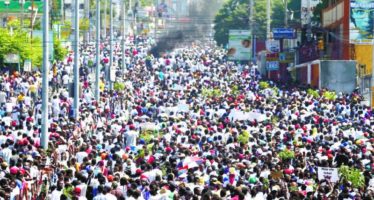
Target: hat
(110,178)
(13,170)
(77,191)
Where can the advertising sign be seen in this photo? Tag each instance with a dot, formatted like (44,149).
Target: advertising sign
(327,173)
(304,9)
(240,45)
(361,21)
(286,57)
(272,65)
(284,33)
(272,57)
(273,46)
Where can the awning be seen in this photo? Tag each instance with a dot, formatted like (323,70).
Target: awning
(303,65)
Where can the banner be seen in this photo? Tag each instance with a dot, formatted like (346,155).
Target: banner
(304,9)
(11,58)
(327,173)
(240,45)
(361,21)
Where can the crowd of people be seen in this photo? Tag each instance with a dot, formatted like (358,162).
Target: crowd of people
(187,125)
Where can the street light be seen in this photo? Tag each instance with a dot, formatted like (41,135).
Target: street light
(7,11)
(22,4)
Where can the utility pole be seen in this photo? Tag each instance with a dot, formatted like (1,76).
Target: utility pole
(156,20)
(22,4)
(285,13)
(251,9)
(45,72)
(309,28)
(268,22)
(124,34)
(111,68)
(97,72)
(105,12)
(87,14)
(76,60)
(372,74)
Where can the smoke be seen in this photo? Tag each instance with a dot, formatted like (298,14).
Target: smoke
(196,26)
(167,43)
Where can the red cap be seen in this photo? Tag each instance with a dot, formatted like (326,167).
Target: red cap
(110,178)
(77,191)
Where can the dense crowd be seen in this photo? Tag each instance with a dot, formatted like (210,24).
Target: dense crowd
(187,125)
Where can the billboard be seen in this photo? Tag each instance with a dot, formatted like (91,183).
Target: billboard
(361,21)
(305,4)
(240,45)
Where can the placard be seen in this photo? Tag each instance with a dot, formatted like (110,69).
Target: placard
(27,66)
(327,173)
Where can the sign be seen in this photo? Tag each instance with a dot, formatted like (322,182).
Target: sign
(284,33)
(308,12)
(112,73)
(272,65)
(286,57)
(273,46)
(27,66)
(272,57)
(361,21)
(11,58)
(327,173)
(240,45)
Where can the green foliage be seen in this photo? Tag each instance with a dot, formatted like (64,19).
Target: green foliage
(313,93)
(146,2)
(317,12)
(275,90)
(66,30)
(20,43)
(235,90)
(84,24)
(243,138)
(211,93)
(352,175)
(118,86)
(234,14)
(264,85)
(14,23)
(286,154)
(59,52)
(330,95)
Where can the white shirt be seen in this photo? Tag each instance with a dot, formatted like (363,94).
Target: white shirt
(80,156)
(100,197)
(110,197)
(55,195)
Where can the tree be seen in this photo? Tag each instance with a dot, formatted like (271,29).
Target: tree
(317,13)
(59,52)
(19,42)
(235,15)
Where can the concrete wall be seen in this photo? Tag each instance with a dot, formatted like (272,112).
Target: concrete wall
(338,75)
